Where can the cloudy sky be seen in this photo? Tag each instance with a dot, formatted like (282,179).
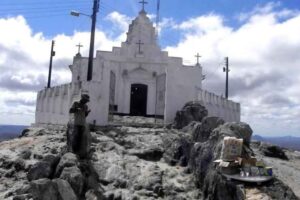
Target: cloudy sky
(261,39)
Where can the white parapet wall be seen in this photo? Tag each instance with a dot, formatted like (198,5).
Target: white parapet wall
(52,105)
(219,106)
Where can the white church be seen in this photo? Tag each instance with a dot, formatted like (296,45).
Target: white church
(137,79)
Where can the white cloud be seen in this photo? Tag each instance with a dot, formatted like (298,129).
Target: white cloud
(24,58)
(264,61)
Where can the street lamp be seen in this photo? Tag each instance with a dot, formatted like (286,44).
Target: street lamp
(76,14)
(92,41)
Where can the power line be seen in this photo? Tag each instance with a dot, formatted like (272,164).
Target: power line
(39,10)
(11,3)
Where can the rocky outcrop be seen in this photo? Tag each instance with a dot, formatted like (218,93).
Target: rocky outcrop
(201,131)
(128,163)
(272,151)
(177,148)
(191,111)
(46,189)
(209,178)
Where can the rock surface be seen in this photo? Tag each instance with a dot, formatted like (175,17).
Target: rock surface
(272,151)
(129,163)
(191,111)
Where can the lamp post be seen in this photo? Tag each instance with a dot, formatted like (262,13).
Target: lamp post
(92,40)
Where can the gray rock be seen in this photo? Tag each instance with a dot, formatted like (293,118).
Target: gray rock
(19,164)
(24,189)
(25,154)
(202,131)
(94,195)
(25,132)
(212,183)
(67,160)
(65,191)
(151,154)
(278,190)
(74,177)
(43,189)
(22,197)
(9,173)
(272,151)
(151,181)
(177,148)
(39,170)
(191,111)
(236,129)
(53,160)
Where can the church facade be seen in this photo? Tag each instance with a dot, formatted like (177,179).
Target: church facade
(137,78)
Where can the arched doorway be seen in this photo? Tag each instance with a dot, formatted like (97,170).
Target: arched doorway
(138,100)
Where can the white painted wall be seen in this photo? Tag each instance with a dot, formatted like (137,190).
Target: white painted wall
(219,106)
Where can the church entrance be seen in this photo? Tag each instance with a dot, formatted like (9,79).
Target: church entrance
(138,100)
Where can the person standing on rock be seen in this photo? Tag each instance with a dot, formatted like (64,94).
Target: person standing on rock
(78,130)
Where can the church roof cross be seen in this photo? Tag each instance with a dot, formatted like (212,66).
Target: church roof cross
(140,43)
(198,56)
(143,2)
(79,46)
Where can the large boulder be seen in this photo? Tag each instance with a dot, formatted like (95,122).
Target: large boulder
(67,160)
(202,131)
(208,178)
(272,151)
(213,184)
(65,191)
(44,169)
(39,170)
(177,148)
(57,189)
(43,189)
(191,111)
(74,176)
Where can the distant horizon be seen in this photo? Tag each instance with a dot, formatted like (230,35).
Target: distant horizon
(253,134)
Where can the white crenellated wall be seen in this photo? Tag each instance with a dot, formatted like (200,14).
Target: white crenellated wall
(219,106)
(53,104)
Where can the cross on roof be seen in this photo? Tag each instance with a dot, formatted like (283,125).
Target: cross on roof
(143,2)
(197,56)
(79,46)
(139,43)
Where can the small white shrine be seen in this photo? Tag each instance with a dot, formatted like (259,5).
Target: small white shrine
(137,79)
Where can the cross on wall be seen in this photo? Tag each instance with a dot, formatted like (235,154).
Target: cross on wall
(140,43)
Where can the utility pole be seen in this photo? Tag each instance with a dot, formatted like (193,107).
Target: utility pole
(226,69)
(92,41)
(52,53)
(157,17)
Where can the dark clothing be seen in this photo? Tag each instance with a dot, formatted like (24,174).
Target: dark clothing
(78,113)
(78,136)
(75,136)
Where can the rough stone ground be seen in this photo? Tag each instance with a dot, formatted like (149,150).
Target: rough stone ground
(19,154)
(130,162)
(287,171)
(127,160)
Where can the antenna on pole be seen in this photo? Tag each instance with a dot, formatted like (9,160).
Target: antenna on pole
(226,69)
(157,17)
